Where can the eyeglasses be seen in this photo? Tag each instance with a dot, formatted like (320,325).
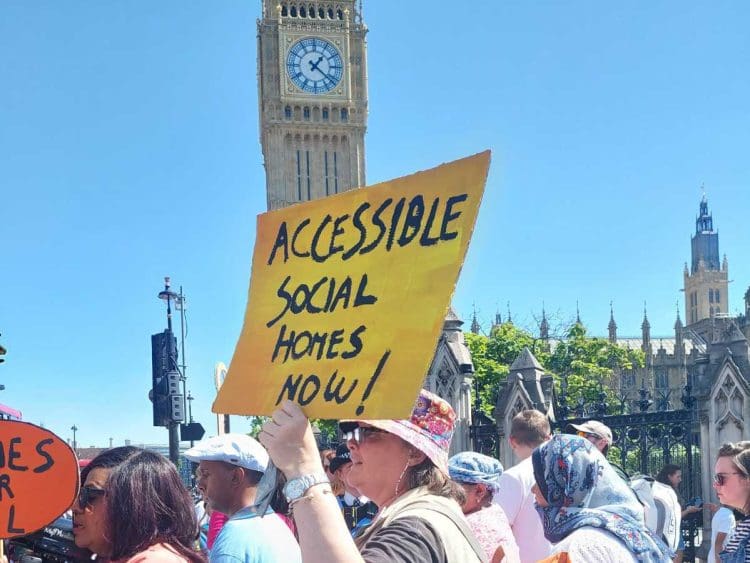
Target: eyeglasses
(87,495)
(588,435)
(360,433)
(721,478)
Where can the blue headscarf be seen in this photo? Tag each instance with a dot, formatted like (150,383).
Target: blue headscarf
(582,489)
(471,467)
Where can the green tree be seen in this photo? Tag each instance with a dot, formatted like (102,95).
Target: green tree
(328,428)
(587,361)
(590,364)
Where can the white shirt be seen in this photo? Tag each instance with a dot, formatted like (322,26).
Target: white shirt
(515,498)
(593,545)
(723,521)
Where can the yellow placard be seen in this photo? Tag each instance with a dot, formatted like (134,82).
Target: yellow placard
(348,295)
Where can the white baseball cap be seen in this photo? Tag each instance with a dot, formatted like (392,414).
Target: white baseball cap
(236,449)
(596,428)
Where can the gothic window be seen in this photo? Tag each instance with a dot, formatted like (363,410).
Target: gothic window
(710,295)
(288,112)
(302,12)
(344,114)
(325,114)
(711,311)
(293,11)
(284,10)
(311,11)
(307,162)
(330,13)
(325,172)
(306,113)
(299,177)
(321,13)
(335,173)
(662,381)
(716,296)
(339,14)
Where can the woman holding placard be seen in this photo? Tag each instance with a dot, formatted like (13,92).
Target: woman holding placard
(133,507)
(402,465)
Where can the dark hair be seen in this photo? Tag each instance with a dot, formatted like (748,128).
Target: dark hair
(108,459)
(530,428)
(427,474)
(739,452)
(147,504)
(666,472)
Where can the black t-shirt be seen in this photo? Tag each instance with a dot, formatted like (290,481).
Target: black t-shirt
(405,540)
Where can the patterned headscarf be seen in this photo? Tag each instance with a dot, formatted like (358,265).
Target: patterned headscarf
(471,467)
(582,489)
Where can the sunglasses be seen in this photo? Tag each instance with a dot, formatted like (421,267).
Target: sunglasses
(360,433)
(588,435)
(87,495)
(721,478)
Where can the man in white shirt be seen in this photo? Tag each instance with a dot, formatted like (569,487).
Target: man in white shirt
(528,429)
(722,525)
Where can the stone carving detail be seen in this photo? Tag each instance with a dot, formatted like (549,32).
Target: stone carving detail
(517,407)
(729,404)
(444,382)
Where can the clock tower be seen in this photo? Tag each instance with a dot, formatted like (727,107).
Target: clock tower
(312,95)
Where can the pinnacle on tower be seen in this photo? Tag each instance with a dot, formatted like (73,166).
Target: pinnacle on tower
(646,332)
(475,328)
(678,322)
(544,326)
(578,314)
(510,319)
(612,327)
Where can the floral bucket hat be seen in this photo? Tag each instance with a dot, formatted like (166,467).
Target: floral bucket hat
(429,429)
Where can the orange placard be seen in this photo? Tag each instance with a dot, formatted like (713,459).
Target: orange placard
(38,478)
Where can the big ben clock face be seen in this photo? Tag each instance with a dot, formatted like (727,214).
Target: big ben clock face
(314,65)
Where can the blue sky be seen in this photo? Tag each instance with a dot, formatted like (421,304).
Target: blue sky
(129,150)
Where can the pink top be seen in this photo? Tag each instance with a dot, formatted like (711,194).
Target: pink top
(159,553)
(492,529)
(215,523)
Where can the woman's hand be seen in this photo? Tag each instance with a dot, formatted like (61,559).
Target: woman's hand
(290,442)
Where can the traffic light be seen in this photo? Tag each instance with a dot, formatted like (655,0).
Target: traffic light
(165,378)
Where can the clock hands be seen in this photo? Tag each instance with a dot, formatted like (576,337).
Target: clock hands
(314,65)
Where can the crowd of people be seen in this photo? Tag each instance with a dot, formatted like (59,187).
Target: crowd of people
(391,493)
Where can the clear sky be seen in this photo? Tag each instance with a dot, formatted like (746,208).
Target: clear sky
(129,150)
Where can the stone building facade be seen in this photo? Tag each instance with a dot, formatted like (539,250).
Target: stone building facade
(312,95)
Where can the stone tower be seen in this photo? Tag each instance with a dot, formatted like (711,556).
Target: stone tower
(312,96)
(706,283)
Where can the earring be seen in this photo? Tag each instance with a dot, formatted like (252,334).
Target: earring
(398,483)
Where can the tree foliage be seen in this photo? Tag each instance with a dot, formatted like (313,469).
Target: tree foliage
(589,363)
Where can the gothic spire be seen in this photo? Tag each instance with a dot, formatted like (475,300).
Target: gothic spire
(578,314)
(510,319)
(646,332)
(612,327)
(475,328)
(678,322)
(544,326)
(645,325)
